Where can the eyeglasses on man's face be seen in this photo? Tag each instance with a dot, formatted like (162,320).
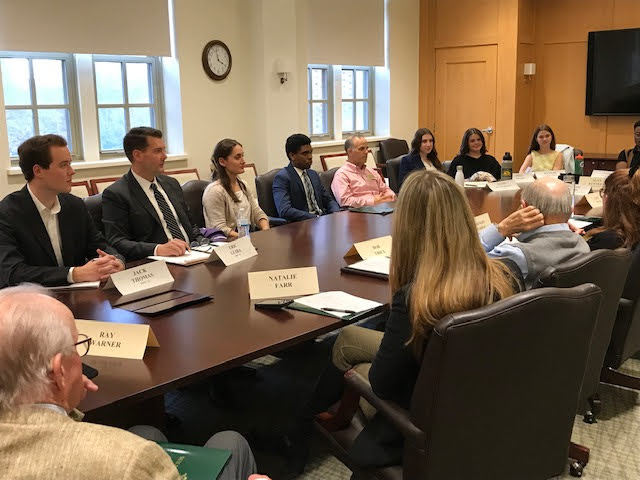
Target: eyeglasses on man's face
(602,192)
(83,344)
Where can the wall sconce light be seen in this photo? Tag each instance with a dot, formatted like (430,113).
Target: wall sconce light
(282,70)
(529,69)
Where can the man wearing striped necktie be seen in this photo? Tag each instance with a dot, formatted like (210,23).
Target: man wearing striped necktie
(144,212)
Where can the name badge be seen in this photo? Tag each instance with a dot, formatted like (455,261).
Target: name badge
(482,221)
(594,199)
(503,186)
(596,183)
(377,247)
(234,252)
(141,281)
(118,340)
(283,283)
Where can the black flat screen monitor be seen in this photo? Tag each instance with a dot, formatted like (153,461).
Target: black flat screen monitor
(613,73)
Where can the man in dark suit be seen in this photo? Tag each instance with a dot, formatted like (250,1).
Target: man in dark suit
(144,213)
(297,190)
(46,234)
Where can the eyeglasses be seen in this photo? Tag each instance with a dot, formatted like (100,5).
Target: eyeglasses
(83,344)
(602,192)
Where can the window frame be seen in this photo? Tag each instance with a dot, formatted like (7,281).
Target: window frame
(69,73)
(328,101)
(155,88)
(369,100)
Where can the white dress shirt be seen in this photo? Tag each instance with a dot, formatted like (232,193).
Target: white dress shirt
(146,188)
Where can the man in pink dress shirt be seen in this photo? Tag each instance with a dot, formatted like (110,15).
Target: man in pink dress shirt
(355,184)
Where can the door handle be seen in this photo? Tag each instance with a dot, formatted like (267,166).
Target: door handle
(488,130)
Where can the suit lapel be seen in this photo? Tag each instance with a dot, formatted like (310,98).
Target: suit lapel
(67,240)
(140,197)
(32,217)
(293,175)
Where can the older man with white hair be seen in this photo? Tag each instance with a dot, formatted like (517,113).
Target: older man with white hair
(41,383)
(543,234)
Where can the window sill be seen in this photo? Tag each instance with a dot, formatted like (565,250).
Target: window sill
(113,162)
(335,143)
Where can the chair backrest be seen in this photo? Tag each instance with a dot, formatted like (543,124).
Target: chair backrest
(192,191)
(392,148)
(249,178)
(94,205)
(498,387)
(98,185)
(326,178)
(446,164)
(184,175)
(393,169)
(608,270)
(264,189)
(81,188)
(332,160)
(625,338)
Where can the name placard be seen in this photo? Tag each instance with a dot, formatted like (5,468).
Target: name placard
(549,173)
(475,184)
(523,177)
(234,252)
(482,221)
(503,186)
(377,247)
(141,281)
(594,199)
(596,183)
(118,340)
(283,283)
(581,190)
(601,173)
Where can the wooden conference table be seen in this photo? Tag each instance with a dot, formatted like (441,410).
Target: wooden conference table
(202,340)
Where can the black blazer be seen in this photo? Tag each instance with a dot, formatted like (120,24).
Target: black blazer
(26,254)
(132,225)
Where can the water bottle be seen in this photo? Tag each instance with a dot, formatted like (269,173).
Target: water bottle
(579,164)
(460,176)
(506,171)
(243,223)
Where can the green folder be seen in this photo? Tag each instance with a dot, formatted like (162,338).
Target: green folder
(196,463)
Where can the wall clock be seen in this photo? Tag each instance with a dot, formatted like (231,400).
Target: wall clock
(216,60)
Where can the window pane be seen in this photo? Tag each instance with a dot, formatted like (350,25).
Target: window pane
(362,84)
(138,83)
(362,116)
(49,80)
(15,81)
(112,128)
(347,116)
(140,117)
(318,84)
(20,127)
(319,119)
(109,82)
(54,120)
(347,83)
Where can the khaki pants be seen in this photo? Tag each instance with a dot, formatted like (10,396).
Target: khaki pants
(356,347)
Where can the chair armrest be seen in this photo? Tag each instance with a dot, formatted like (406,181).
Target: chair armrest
(277,221)
(396,414)
(625,303)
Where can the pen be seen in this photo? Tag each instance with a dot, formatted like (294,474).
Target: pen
(338,310)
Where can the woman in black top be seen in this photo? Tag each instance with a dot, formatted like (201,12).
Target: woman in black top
(620,213)
(473,156)
(631,158)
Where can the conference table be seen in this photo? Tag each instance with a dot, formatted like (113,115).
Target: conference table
(202,340)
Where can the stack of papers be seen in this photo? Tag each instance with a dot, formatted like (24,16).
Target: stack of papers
(373,264)
(334,304)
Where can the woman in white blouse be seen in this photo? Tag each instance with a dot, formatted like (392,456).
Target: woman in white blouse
(227,197)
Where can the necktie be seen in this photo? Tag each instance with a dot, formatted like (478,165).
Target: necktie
(311,198)
(172,223)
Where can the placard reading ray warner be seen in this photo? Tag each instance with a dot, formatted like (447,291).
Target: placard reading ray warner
(376,247)
(283,283)
(119,340)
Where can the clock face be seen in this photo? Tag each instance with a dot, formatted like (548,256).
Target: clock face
(216,60)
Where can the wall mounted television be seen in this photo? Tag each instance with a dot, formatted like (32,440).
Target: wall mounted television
(613,73)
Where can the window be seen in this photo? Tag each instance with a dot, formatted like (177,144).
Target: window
(351,111)
(127,91)
(38,98)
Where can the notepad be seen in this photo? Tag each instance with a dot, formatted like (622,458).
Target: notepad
(191,257)
(77,286)
(377,267)
(326,302)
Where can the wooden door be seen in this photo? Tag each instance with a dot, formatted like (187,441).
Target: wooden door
(465,96)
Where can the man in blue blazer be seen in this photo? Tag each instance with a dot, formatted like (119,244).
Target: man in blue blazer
(297,190)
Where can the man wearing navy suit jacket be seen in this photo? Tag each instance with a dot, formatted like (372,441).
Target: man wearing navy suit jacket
(46,234)
(297,190)
(144,213)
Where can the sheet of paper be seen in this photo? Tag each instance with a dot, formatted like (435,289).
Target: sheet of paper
(338,300)
(189,258)
(289,282)
(503,186)
(475,184)
(376,247)
(482,221)
(373,264)
(579,223)
(235,252)
(120,340)
(601,173)
(79,285)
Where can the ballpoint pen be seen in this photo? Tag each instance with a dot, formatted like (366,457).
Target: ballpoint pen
(337,310)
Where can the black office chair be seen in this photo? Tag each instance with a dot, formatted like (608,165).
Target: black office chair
(264,189)
(392,148)
(326,178)
(94,205)
(446,164)
(475,410)
(192,191)
(393,170)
